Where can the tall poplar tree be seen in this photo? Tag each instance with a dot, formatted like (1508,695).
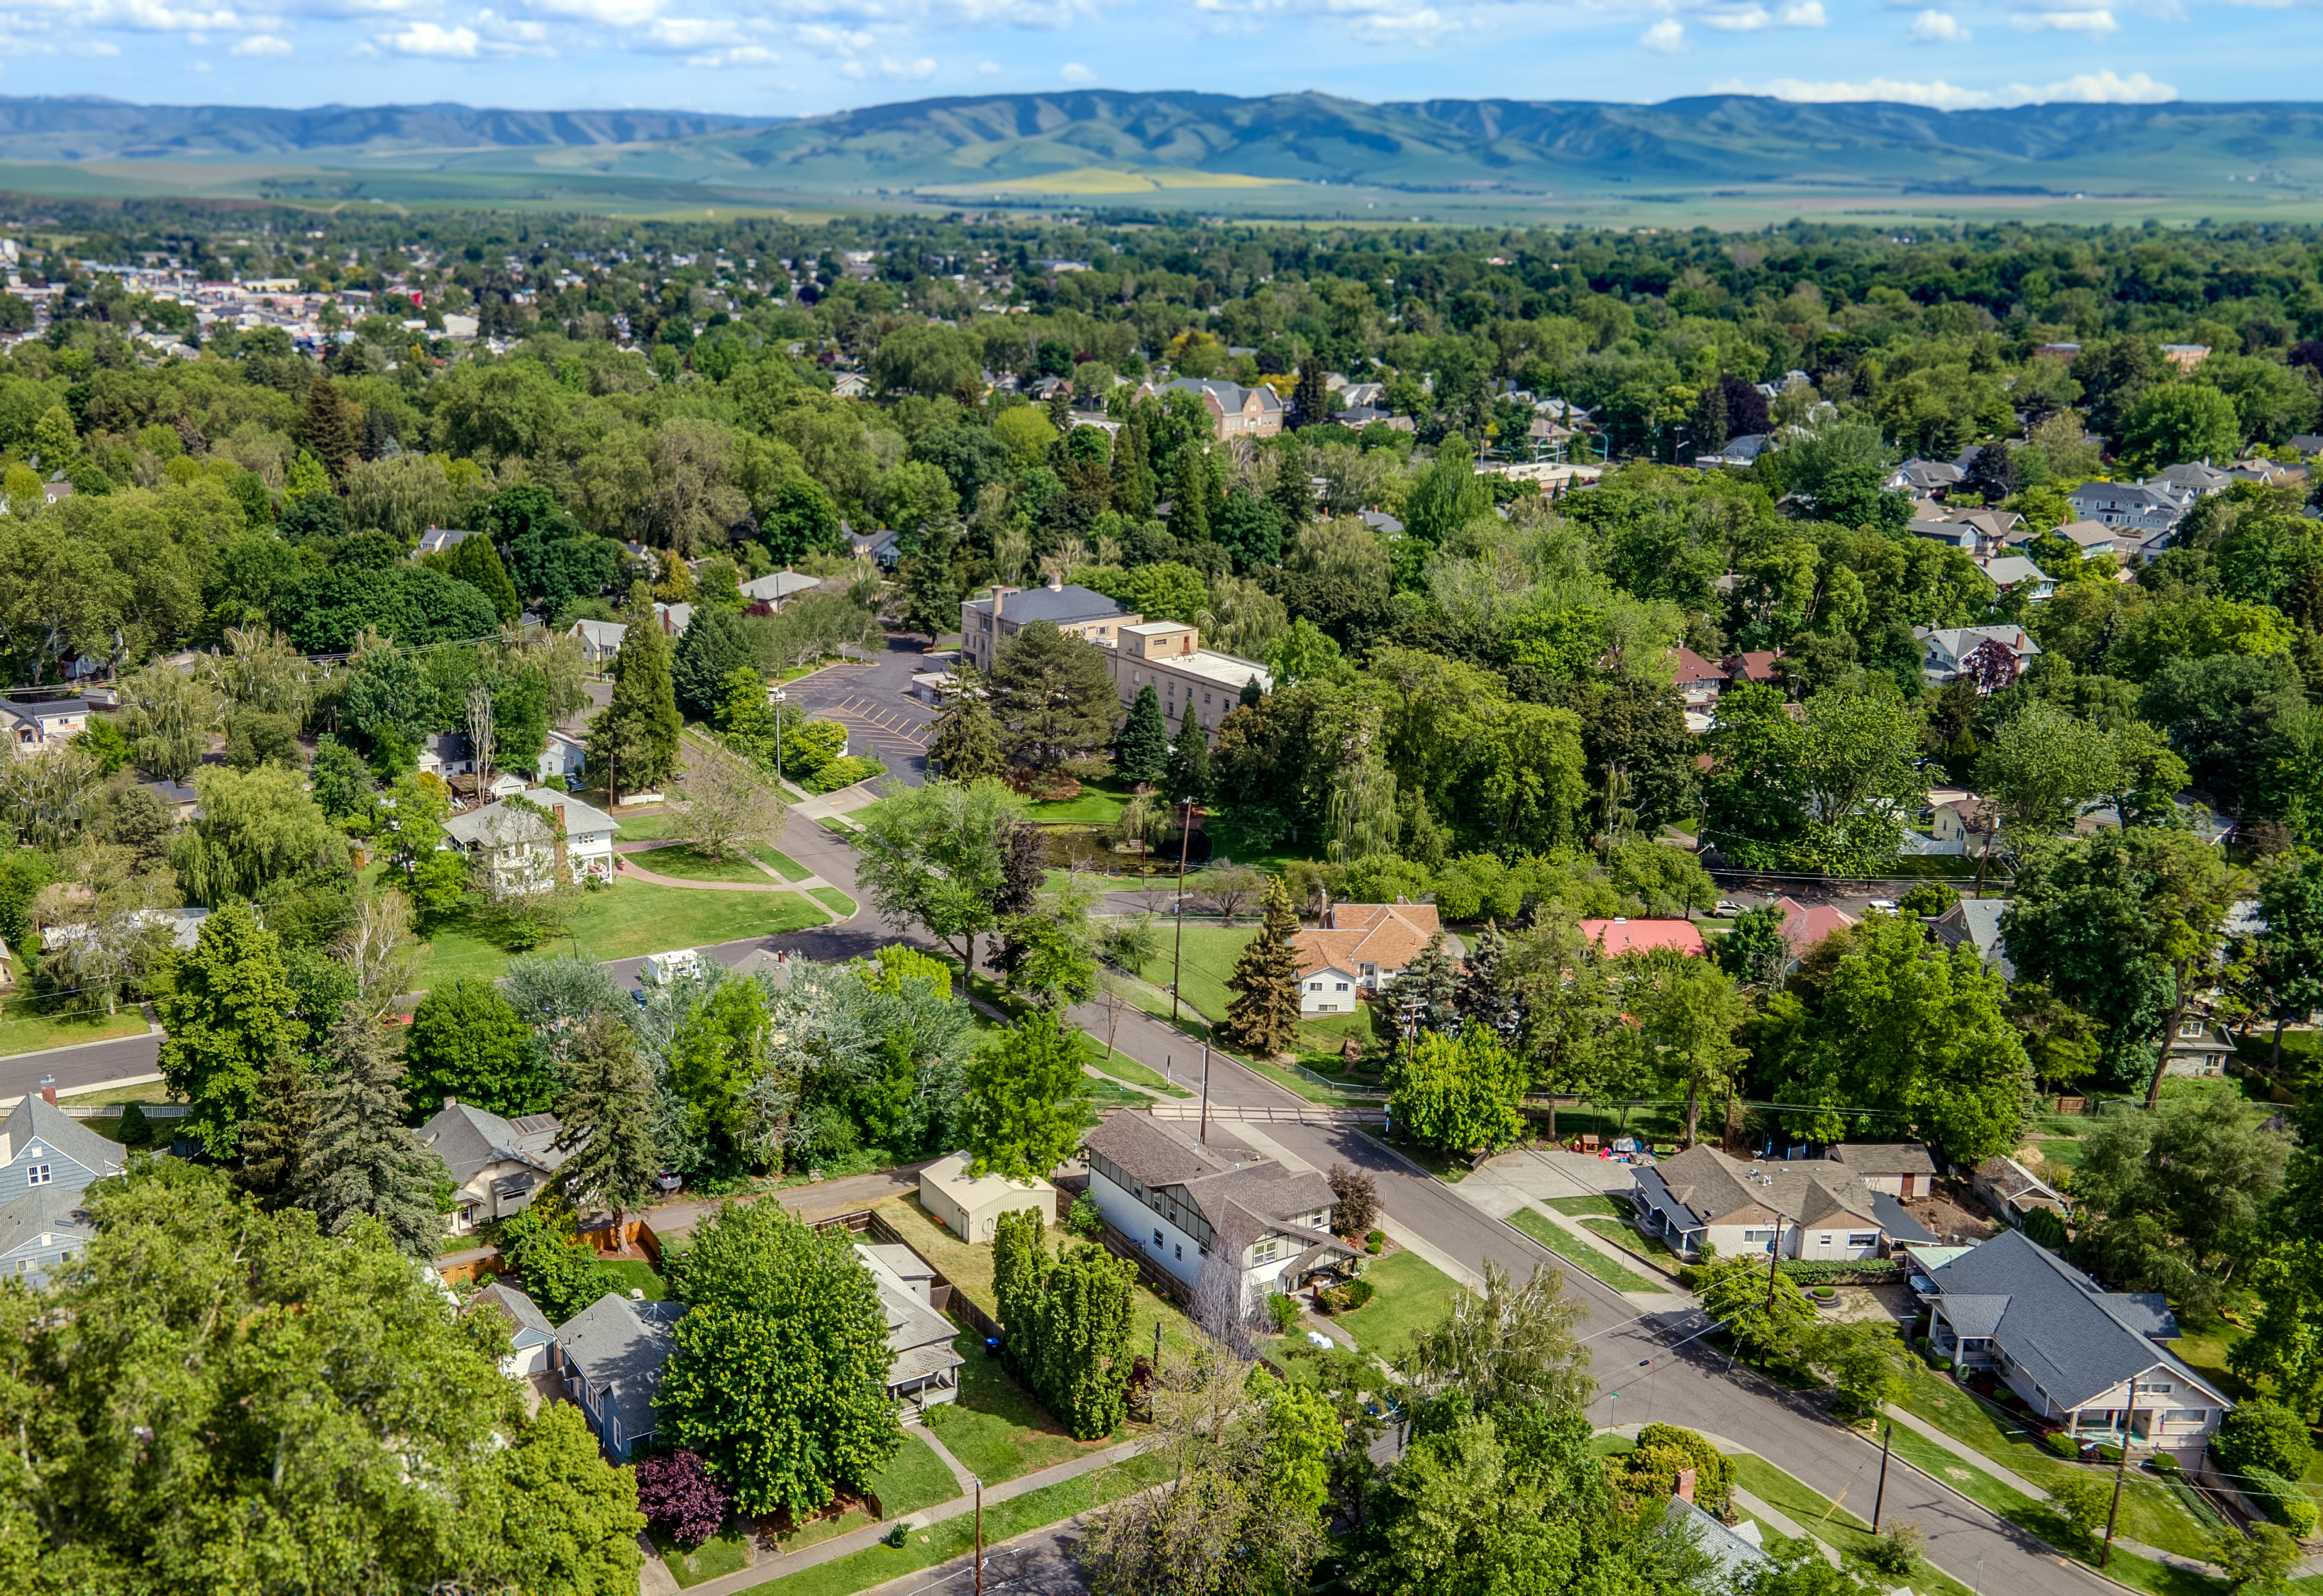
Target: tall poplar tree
(633,740)
(227,1004)
(274,1143)
(1140,748)
(1263,1017)
(359,1159)
(331,427)
(1188,774)
(606,1111)
(1190,510)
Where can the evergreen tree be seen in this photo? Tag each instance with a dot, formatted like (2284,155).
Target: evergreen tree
(1188,774)
(1292,498)
(1428,993)
(1250,695)
(930,585)
(711,649)
(1311,400)
(1485,995)
(274,1142)
(1140,748)
(1190,508)
(359,1159)
(1264,1018)
(1052,697)
(1068,1320)
(633,740)
(227,1004)
(331,428)
(1133,464)
(474,561)
(967,746)
(606,1111)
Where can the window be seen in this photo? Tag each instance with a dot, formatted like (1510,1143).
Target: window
(1266,1250)
(1757,1238)
(1869,1238)
(2154,1387)
(1822,1241)
(38,1175)
(2186,1416)
(1157,1238)
(1182,1252)
(1314,985)
(1342,987)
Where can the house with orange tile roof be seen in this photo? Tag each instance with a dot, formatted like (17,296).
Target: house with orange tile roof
(1621,935)
(1358,947)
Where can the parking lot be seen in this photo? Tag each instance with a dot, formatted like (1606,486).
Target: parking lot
(874,701)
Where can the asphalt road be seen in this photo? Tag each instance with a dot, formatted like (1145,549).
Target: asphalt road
(874,701)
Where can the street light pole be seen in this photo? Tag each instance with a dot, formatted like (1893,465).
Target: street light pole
(1178,958)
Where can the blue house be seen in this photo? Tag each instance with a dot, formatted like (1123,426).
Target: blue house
(43,1147)
(612,1354)
(40,1231)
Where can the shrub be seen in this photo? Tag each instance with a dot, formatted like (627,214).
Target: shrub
(1662,1450)
(2282,1500)
(1826,1293)
(1373,1240)
(1944,1365)
(1921,1343)
(1284,1310)
(2105,1454)
(2166,1463)
(1896,1549)
(1359,1292)
(1929,897)
(1085,1218)
(678,1497)
(136,1129)
(2263,1435)
(2061,1444)
(1855,1272)
(1355,1195)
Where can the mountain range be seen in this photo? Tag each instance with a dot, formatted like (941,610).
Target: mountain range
(1293,153)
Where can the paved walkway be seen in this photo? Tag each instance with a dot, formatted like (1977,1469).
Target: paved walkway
(919,1427)
(871,1535)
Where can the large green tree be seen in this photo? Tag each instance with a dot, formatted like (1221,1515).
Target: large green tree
(633,740)
(1687,1012)
(467,1042)
(226,1006)
(711,648)
(2171,1200)
(1263,1018)
(1459,1092)
(256,830)
(1067,1319)
(967,746)
(359,1165)
(1142,746)
(934,857)
(605,1110)
(1052,697)
(1026,1100)
(216,1400)
(779,1380)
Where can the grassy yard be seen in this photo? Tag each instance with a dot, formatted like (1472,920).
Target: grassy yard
(1412,1294)
(1098,804)
(725,1552)
(969,1267)
(635,1274)
(834,900)
(1210,952)
(1823,1518)
(2148,1513)
(997,1429)
(1155,1002)
(689,863)
(791,868)
(913,1482)
(2204,1350)
(1122,1067)
(940,1543)
(1575,1208)
(649,825)
(24,1030)
(1541,1228)
(629,918)
(1630,1238)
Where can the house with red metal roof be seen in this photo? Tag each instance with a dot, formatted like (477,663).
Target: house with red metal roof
(1621,935)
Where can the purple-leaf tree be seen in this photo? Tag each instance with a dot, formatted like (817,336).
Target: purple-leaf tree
(678,1497)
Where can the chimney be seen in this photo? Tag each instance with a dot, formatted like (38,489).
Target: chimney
(1056,582)
(1685,1491)
(563,863)
(451,1102)
(48,1096)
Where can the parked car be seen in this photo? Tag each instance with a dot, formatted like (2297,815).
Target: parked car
(1886,905)
(1728,909)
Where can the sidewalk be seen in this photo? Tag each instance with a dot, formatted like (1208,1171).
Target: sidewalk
(871,1535)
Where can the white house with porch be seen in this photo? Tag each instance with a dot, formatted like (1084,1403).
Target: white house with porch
(518,841)
(2092,1361)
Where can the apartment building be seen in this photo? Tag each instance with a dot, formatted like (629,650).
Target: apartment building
(1169,655)
(985,623)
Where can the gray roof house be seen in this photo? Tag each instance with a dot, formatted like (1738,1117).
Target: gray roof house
(1975,921)
(1997,652)
(600,639)
(532,1339)
(1810,1208)
(778,586)
(1923,479)
(522,848)
(41,1230)
(2080,1357)
(2133,506)
(612,1354)
(924,1370)
(496,1165)
(1741,451)
(436,539)
(42,1146)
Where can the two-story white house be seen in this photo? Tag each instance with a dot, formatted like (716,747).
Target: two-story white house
(522,848)
(1180,1199)
(1361,947)
(2090,1360)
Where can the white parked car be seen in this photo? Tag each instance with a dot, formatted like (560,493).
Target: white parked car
(1728,909)
(1884,905)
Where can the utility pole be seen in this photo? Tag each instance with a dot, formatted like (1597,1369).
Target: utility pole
(2128,1422)
(1774,1255)
(979,1532)
(1178,958)
(1206,1108)
(779,696)
(1878,1501)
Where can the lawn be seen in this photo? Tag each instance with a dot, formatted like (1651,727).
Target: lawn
(689,863)
(724,1553)
(1122,1067)
(1541,1228)
(2148,1513)
(969,1267)
(1411,1295)
(1449,1167)
(1227,842)
(1210,952)
(913,1482)
(1575,1208)
(2065,1151)
(635,1274)
(651,825)
(1156,1002)
(629,918)
(1825,1519)
(2204,1349)
(1098,804)
(24,1030)
(997,1429)
(1630,1238)
(791,868)
(834,900)
(940,1543)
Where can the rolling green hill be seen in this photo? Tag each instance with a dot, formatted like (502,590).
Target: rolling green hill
(1294,154)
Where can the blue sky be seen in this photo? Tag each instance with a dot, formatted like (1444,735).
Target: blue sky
(807,56)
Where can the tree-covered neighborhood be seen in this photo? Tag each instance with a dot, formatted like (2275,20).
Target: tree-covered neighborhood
(748,902)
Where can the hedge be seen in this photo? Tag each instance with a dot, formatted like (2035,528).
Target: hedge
(2283,1499)
(1863,1272)
(2061,1444)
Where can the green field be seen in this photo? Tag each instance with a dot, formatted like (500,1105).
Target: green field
(1541,1228)
(630,918)
(1208,959)
(688,863)
(22,1030)
(635,1274)
(1098,804)
(1411,1295)
(792,870)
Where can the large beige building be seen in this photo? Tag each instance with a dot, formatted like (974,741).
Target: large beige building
(1168,655)
(985,623)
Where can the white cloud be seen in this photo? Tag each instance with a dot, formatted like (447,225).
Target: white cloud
(987,69)
(1666,37)
(198,66)
(2087,89)
(1939,27)
(2064,21)
(912,71)
(92,46)
(428,39)
(823,38)
(1074,72)
(259,44)
(154,16)
(1804,13)
(692,32)
(741,55)
(611,14)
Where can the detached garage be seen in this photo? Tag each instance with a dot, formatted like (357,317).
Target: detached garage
(970,1206)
